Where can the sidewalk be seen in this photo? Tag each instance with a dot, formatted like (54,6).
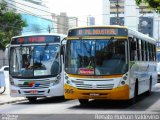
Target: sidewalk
(5,98)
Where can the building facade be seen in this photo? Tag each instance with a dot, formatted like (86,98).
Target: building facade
(63,22)
(126,12)
(35,13)
(90,21)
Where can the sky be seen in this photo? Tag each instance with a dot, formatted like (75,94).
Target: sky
(78,8)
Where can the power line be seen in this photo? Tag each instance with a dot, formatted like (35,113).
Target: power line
(25,11)
(49,12)
(35,14)
(30,6)
(43,10)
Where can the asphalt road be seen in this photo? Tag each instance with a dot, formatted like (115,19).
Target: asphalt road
(59,109)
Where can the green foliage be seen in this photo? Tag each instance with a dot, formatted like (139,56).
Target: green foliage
(154,4)
(11,24)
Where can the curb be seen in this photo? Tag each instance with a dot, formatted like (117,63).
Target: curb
(14,101)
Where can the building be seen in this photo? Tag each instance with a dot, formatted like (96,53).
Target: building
(126,12)
(63,22)
(90,21)
(73,22)
(35,13)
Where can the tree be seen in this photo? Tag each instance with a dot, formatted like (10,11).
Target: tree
(11,24)
(154,4)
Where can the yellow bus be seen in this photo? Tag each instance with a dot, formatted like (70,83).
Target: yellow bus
(108,62)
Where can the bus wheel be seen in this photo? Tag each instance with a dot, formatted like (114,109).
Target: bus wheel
(32,99)
(2,90)
(134,99)
(83,101)
(150,87)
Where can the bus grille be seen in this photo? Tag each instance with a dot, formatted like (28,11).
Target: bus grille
(35,84)
(93,85)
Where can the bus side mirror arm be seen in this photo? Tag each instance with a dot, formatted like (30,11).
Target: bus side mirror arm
(62,46)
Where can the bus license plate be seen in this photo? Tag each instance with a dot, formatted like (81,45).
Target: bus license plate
(94,94)
(33,91)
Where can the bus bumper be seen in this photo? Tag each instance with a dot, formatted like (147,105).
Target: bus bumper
(47,92)
(119,93)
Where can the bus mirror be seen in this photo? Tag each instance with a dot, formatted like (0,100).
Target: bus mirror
(63,42)
(7,51)
(62,50)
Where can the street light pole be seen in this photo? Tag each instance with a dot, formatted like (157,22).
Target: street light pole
(117,6)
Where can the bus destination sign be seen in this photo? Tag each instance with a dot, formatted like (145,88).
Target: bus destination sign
(35,39)
(98,32)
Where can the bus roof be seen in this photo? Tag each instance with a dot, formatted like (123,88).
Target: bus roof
(40,34)
(131,32)
(108,26)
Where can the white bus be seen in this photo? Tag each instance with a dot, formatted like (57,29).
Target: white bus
(35,66)
(158,63)
(108,62)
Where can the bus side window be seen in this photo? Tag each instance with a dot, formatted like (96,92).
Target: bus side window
(132,49)
(143,50)
(138,49)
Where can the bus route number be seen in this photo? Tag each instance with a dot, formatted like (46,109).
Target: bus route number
(69,91)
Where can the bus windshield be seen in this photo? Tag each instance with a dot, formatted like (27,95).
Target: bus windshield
(96,57)
(35,60)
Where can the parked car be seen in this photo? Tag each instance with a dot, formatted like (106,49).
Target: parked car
(3,74)
(5,70)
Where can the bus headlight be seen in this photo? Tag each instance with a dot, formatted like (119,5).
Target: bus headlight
(68,82)
(122,82)
(56,81)
(66,77)
(125,78)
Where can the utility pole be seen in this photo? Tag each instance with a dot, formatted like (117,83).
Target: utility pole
(140,26)
(117,6)
(49,29)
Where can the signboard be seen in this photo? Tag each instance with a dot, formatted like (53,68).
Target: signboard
(35,39)
(86,71)
(98,32)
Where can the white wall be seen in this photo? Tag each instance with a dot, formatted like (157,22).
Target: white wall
(156,30)
(131,14)
(106,12)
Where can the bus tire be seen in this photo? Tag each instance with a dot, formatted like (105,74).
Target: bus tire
(2,90)
(134,99)
(83,101)
(32,99)
(150,87)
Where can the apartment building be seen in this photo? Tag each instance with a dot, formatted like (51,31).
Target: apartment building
(126,12)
